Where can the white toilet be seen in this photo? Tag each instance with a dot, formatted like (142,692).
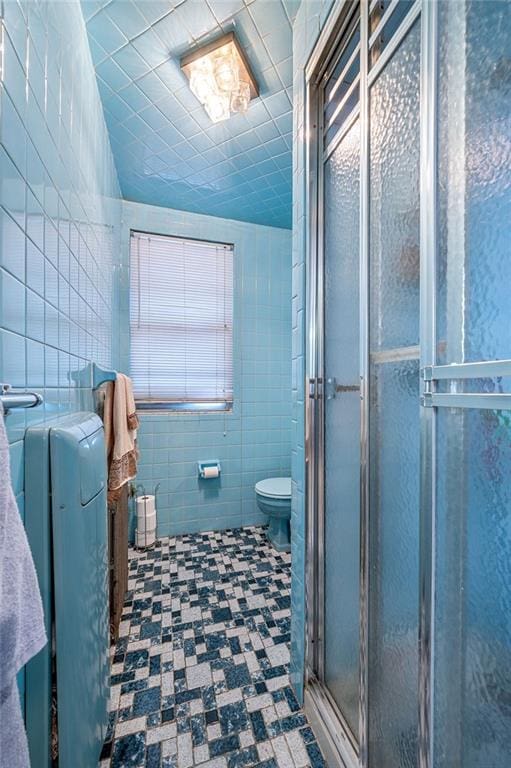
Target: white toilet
(274,499)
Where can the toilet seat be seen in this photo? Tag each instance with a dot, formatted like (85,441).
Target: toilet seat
(274,488)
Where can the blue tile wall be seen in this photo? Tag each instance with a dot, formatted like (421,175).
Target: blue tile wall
(309,21)
(167,151)
(59,215)
(252,442)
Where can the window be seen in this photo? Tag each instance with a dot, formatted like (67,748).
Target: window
(181,322)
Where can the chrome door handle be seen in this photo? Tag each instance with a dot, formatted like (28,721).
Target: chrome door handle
(333,388)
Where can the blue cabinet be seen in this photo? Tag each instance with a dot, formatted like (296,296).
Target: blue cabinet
(66,522)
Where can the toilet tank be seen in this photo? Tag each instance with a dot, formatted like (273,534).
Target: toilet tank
(66,524)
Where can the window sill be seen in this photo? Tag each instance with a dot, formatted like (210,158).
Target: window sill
(155,406)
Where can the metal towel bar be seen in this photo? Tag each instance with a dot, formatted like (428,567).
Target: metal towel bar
(10,399)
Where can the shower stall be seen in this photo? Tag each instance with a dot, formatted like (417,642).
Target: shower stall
(408,423)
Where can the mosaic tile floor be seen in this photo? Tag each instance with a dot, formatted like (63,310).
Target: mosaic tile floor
(200,672)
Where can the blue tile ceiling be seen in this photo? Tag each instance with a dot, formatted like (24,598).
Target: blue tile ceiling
(166,149)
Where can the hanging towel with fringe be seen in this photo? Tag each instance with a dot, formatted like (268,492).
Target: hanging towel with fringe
(121,424)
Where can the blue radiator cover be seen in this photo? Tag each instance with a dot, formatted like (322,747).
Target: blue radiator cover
(66,523)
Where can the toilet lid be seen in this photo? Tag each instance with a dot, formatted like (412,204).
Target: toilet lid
(275,487)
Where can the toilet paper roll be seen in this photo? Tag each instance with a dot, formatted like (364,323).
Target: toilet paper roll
(147,523)
(145,499)
(145,539)
(146,513)
(210,472)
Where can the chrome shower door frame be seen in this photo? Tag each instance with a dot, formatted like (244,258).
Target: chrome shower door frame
(332,732)
(334,735)
(427,335)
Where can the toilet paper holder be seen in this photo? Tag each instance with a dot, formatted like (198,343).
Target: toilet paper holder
(204,465)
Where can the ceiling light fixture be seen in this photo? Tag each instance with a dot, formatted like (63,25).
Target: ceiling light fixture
(220,77)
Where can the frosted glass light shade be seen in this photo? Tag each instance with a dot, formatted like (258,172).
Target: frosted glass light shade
(217,107)
(220,78)
(202,85)
(227,73)
(240,98)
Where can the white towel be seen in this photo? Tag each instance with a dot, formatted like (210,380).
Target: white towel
(22,632)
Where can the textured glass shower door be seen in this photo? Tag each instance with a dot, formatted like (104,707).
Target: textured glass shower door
(341,419)
(470,390)
(425,204)
(394,409)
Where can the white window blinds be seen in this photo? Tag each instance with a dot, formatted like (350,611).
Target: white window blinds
(181,321)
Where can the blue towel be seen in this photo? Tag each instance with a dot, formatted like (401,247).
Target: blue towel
(22,632)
